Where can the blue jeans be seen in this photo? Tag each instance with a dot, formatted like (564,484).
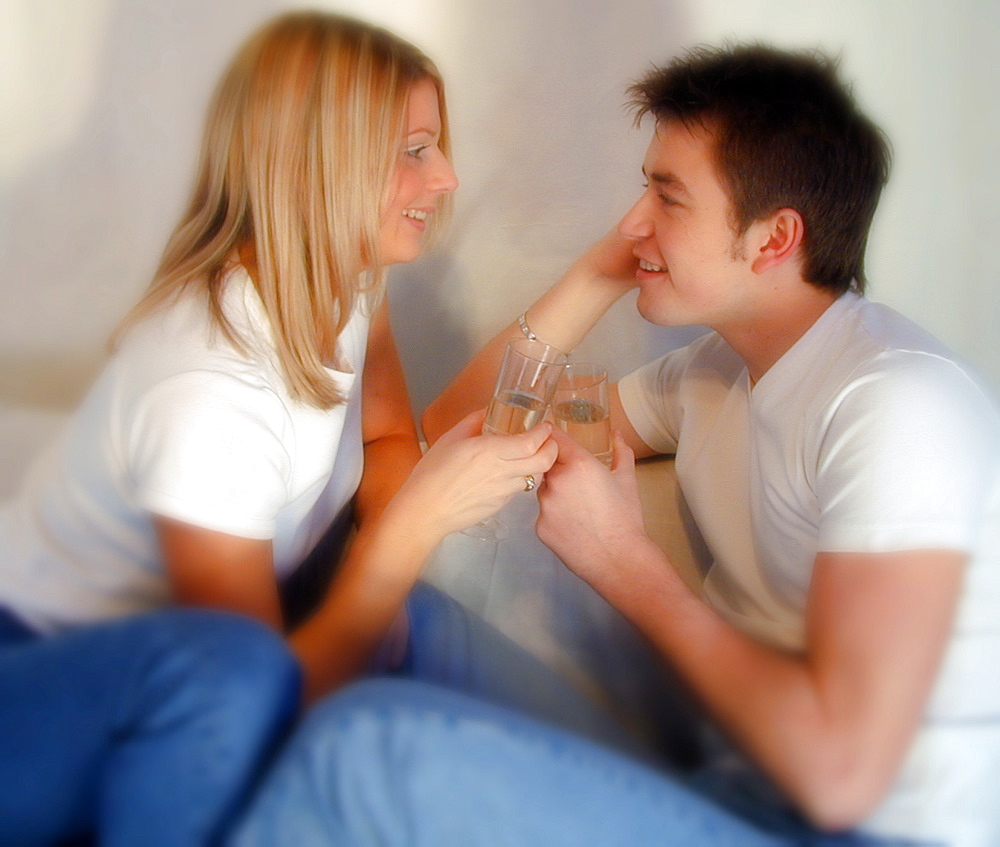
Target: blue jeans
(145,730)
(429,761)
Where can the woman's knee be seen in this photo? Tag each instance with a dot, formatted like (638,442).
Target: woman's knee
(251,661)
(237,662)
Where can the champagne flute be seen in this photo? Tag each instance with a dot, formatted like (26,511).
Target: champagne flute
(581,410)
(529,374)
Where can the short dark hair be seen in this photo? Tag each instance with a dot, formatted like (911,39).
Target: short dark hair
(788,135)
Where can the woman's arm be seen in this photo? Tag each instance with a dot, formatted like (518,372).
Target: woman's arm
(218,570)
(387,427)
(402,517)
(462,479)
(363,600)
(561,317)
(465,477)
(399,522)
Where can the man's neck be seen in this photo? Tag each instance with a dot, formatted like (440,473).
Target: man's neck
(774,328)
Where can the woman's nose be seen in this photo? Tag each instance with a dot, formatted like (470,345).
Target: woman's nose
(445,180)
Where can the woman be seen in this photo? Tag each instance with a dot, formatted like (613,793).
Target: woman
(254,398)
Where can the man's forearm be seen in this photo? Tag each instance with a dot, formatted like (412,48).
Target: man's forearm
(785,711)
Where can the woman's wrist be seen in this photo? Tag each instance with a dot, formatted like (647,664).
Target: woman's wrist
(409,528)
(565,314)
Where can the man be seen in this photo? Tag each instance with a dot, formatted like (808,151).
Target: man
(842,466)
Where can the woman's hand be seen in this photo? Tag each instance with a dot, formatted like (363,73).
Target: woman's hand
(466,477)
(610,261)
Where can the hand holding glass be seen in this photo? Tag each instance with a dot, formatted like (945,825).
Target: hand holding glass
(580,408)
(528,378)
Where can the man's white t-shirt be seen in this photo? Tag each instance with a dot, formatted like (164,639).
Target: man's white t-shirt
(183,425)
(867,436)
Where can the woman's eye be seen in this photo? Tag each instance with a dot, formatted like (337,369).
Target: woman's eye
(417,151)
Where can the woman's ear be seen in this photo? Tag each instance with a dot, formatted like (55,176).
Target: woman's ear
(780,236)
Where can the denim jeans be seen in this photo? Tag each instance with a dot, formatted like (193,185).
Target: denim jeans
(145,730)
(482,745)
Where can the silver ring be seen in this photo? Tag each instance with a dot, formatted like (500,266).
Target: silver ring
(529,483)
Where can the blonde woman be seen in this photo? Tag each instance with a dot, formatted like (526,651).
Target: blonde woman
(254,400)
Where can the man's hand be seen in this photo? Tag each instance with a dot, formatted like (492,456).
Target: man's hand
(591,517)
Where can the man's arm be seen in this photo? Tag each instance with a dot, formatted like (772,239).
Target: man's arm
(561,317)
(830,726)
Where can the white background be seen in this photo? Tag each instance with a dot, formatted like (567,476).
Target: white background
(101,103)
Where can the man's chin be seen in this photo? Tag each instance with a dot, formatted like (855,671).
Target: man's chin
(653,312)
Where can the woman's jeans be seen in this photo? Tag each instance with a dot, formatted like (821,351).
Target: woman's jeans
(429,761)
(146,730)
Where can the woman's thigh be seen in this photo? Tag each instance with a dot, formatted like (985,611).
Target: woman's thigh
(147,727)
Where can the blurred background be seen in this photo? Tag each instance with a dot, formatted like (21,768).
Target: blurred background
(101,104)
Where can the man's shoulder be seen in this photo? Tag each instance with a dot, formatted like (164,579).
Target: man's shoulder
(889,344)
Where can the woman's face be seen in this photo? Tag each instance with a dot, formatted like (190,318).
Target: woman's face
(422,175)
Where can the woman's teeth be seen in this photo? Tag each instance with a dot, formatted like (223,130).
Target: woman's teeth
(416,214)
(649,266)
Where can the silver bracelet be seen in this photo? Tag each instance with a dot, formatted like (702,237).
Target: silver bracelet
(522,321)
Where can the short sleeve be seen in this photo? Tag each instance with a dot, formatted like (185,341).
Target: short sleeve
(661,398)
(907,459)
(207,449)
(645,396)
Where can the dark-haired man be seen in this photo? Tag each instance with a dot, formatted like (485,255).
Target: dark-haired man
(842,466)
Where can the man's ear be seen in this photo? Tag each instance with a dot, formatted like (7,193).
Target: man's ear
(778,239)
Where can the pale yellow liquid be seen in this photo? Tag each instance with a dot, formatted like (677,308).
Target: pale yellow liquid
(586,423)
(512,412)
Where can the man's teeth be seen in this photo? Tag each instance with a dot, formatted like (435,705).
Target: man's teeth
(416,214)
(649,266)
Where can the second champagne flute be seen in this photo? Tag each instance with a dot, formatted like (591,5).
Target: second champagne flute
(580,408)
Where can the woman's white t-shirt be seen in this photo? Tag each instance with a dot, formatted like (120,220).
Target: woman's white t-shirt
(183,425)
(867,436)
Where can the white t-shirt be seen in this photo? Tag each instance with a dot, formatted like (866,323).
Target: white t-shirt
(183,425)
(867,436)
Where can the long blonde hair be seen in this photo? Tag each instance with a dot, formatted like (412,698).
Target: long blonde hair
(302,138)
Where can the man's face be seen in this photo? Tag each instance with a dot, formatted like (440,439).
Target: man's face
(693,269)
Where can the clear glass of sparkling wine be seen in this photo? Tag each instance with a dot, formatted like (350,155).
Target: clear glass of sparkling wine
(528,377)
(580,408)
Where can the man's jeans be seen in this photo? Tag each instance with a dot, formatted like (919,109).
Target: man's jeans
(485,746)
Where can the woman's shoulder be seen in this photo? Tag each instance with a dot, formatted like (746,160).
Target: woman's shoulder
(184,335)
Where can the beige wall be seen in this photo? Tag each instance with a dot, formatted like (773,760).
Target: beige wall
(101,104)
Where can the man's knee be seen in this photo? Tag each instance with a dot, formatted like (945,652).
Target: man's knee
(372,708)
